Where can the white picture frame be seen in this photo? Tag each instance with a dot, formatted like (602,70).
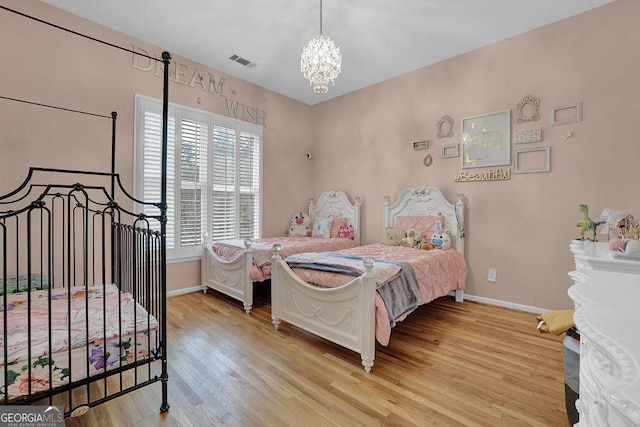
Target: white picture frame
(566,114)
(486,140)
(450,150)
(539,166)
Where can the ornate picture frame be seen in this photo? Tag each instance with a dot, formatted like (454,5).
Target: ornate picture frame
(445,127)
(486,140)
(527,109)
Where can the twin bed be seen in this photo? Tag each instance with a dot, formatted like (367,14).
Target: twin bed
(349,294)
(233,266)
(359,294)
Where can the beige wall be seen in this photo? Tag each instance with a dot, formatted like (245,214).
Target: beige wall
(521,227)
(50,66)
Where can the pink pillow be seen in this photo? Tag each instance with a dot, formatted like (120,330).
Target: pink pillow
(425,225)
(336,224)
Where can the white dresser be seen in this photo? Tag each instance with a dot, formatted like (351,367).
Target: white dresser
(595,256)
(607,315)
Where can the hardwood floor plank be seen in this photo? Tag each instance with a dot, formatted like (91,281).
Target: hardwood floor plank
(448,363)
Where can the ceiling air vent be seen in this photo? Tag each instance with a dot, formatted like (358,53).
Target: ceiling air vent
(241,60)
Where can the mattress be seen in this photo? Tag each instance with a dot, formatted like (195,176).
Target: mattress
(74,333)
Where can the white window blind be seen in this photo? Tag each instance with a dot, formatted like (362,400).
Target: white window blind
(236,172)
(214,172)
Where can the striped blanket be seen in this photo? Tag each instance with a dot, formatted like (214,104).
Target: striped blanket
(396,281)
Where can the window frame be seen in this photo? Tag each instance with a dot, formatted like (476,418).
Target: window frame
(177,114)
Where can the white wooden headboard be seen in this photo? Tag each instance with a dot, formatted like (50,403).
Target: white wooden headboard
(336,204)
(429,201)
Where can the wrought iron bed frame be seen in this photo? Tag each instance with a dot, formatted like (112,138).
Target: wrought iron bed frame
(66,234)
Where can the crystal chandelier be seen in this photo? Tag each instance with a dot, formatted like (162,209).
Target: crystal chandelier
(321,61)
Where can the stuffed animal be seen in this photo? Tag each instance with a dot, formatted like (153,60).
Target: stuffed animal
(393,236)
(426,245)
(440,239)
(412,240)
(300,225)
(346,232)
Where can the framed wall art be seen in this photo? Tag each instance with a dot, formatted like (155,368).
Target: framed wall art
(566,114)
(486,140)
(451,150)
(532,160)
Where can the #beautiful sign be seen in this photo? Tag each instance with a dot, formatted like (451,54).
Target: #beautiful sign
(489,175)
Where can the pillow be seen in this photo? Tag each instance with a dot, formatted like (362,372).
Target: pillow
(336,225)
(425,225)
(321,227)
(20,283)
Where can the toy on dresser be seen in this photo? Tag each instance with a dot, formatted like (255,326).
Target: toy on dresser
(586,223)
(624,247)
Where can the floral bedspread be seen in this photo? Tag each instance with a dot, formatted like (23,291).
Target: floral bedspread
(98,321)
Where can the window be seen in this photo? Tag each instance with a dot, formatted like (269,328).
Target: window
(214,174)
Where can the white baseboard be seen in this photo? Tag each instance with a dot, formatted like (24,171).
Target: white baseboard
(505,304)
(475,298)
(184,291)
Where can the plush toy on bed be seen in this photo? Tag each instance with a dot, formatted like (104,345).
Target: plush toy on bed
(346,232)
(300,225)
(393,236)
(440,239)
(412,240)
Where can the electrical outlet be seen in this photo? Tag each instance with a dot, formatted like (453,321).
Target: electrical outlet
(493,273)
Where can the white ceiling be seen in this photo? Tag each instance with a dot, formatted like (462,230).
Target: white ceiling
(378,39)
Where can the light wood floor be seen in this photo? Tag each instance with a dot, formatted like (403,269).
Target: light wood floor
(448,364)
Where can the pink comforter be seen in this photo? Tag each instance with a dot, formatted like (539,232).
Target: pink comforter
(438,272)
(230,250)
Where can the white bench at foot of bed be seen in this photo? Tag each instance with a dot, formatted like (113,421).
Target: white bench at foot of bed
(343,315)
(232,278)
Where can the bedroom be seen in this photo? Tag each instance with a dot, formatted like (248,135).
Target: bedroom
(515,226)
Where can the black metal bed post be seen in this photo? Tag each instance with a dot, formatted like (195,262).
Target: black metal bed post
(166,58)
(114,116)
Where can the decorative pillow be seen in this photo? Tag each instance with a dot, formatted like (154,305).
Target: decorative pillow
(425,225)
(336,225)
(321,227)
(20,283)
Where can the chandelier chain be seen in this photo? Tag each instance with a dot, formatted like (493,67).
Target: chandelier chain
(320,17)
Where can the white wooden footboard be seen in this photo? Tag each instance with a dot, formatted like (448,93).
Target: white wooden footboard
(232,278)
(344,315)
